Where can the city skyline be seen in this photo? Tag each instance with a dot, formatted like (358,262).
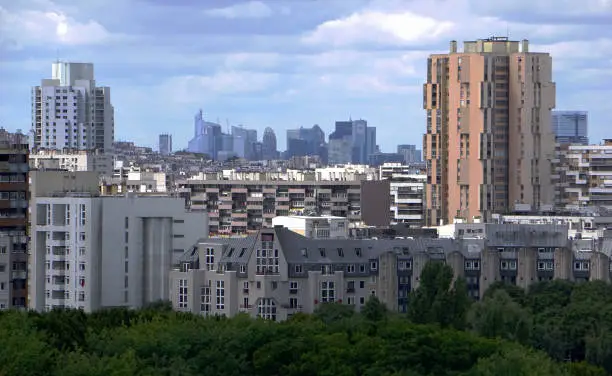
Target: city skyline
(286,64)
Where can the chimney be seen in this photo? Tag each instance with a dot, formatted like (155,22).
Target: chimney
(525,45)
(453,47)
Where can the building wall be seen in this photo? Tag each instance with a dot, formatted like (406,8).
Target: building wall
(119,249)
(477,164)
(516,254)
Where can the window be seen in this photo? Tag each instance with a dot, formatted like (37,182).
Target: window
(266,309)
(340,252)
(220,294)
(361,284)
(67,216)
(82,251)
(298,269)
(326,269)
(243,268)
(210,259)
(183,298)
(81,296)
(361,300)
(293,303)
(82,266)
(373,265)
(362,268)
(2,286)
(267,259)
(401,265)
(205,299)
(274,285)
(82,214)
(245,302)
(82,236)
(472,265)
(350,268)
(328,292)
(3,250)
(322,252)
(258,284)
(293,287)
(358,252)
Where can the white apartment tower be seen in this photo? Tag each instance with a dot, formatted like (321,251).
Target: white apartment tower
(70,112)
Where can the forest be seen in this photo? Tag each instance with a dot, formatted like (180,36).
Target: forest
(554,328)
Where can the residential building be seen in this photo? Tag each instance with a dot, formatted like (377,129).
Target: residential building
(92,252)
(71,160)
(269,149)
(276,272)
(13,220)
(316,227)
(243,203)
(165,144)
(583,176)
(407,187)
(570,127)
(477,163)
(69,111)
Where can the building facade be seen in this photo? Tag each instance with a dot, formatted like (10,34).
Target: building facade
(91,252)
(14,193)
(477,163)
(583,176)
(165,144)
(570,127)
(70,112)
(407,188)
(243,206)
(317,227)
(70,160)
(276,273)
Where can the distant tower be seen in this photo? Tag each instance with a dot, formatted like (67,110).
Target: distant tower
(165,144)
(268,148)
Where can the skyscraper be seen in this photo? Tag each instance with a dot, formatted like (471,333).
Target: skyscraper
(488,143)
(70,112)
(268,148)
(570,127)
(165,144)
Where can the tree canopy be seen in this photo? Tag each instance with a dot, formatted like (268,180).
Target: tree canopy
(554,328)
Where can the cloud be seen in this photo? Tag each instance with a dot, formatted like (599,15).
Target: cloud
(251,9)
(378,27)
(194,89)
(39,28)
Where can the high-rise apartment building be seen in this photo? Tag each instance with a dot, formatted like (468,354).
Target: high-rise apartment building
(165,144)
(489,142)
(70,112)
(13,219)
(570,127)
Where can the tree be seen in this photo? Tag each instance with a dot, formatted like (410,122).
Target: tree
(374,310)
(435,301)
(498,316)
(332,312)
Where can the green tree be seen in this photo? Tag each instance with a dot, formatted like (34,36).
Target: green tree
(517,361)
(435,301)
(333,312)
(374,310)
(498,316)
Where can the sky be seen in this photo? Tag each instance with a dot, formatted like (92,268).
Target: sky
(288,63)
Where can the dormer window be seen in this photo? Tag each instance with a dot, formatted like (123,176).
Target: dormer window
(322,252)
(373,265)
(304,252)
(231,252)
(358,252)
(340,252)
(242,252)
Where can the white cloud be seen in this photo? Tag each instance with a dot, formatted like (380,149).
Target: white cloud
(374,27)
(251,9)
(192,89)
(33,27)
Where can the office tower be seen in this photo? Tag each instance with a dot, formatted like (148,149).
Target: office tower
(165,144)
(570,127)
(305,141)
(13,220)
(206,138)
(351,142)
(488,143)
(268,147)
(244,142)
(410,152)
(370,143)
(70,112)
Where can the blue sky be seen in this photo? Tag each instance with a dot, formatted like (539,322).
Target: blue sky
(288,63)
